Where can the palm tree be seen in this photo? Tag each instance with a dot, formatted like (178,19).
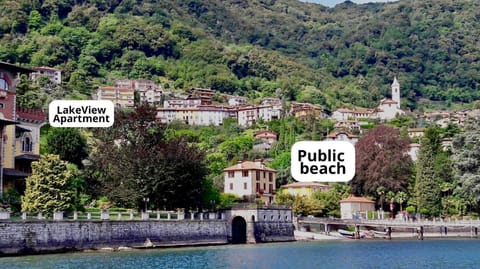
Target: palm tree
(401,197)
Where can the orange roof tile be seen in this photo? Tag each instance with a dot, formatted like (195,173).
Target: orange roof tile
(249,165)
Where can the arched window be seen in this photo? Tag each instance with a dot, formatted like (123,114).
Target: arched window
(3,84)
(27,145)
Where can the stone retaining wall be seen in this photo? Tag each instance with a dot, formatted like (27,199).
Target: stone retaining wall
(274,231)
(53,236)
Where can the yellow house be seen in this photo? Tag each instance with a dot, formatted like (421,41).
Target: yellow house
(304,188)
(22,147)
(19,131)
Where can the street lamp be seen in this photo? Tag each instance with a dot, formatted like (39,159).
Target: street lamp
(146,200)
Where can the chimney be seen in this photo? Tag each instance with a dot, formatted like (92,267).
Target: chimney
(239,164)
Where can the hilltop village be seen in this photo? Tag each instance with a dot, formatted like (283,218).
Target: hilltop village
(248,163)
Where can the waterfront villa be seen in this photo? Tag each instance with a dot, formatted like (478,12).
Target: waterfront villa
(251,179)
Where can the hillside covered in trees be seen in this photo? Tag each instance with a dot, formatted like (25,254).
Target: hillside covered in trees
(329,56)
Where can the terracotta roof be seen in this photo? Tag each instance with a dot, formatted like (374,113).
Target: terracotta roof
(355,199)
(249,165)
(267,133)
(305,184)
(335,134)
(115,88)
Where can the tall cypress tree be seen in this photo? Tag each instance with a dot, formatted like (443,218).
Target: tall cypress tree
(427,184)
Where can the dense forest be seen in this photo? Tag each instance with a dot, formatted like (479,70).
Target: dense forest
(330,56)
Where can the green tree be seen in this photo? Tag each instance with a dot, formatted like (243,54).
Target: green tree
(304,206)
(466,157)
(281,163)
(34,20)
(49,188)
(68,143)
(134,160)
(331,199)
(401,197)
(284,198)
(427,184)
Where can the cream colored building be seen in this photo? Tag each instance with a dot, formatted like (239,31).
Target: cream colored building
(201,115)
(251,179)
(121,97)
(304,188)
(355,206)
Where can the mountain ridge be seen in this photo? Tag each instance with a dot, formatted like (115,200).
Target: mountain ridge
(330,56)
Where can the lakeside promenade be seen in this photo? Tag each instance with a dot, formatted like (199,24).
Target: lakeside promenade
(393,228)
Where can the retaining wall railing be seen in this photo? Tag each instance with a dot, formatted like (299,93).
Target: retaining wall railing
(113,215)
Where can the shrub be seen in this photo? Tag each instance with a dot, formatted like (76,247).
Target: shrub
(410,209)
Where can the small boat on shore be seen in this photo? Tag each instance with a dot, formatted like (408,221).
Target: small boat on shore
(345,233)
(349,234)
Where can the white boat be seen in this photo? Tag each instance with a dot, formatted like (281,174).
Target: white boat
(346,233)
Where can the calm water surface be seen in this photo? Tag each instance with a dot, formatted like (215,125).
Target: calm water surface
(350,254)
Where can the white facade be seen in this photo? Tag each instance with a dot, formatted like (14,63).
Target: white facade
(211,116)
(396,92)
(249,115)
(239,184)
(388,109)
(55,75)
(151,96)
(237,101)
(202,115)
(252,179)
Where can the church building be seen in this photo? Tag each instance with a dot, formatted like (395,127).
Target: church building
(389,108)
(386,110)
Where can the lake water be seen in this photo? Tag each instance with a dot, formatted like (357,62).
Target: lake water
(344,254)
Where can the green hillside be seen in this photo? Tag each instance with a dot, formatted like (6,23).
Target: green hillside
(330,56)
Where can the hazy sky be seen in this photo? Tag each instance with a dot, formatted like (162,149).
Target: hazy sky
(332,3)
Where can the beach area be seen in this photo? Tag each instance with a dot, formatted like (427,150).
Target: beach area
(369,235)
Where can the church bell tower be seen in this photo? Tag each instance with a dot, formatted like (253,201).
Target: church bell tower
(396,91)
